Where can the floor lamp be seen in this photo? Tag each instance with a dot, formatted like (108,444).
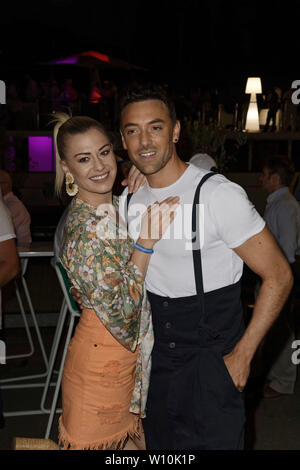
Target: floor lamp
(253,87)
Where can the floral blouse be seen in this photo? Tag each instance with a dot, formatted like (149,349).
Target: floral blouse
(95,254)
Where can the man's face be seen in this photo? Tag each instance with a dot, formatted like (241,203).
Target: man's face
(148,135)
(267,180)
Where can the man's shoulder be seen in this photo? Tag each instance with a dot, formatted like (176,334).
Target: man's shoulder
(188,184)
(287,203)
(137,196)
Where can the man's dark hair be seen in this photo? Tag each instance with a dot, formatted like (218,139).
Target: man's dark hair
(149,91)
(281,165)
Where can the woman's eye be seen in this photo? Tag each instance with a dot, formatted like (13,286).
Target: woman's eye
(83,159)
(104,153)
(130,131)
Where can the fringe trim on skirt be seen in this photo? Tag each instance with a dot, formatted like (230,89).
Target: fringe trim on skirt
(115,442)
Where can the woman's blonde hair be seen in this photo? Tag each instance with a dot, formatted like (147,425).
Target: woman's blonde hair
(66,126)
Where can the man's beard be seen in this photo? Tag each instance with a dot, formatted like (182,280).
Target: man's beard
(155,167)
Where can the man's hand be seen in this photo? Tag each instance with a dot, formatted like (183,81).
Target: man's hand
(76,296)
(134,180)
(238,368)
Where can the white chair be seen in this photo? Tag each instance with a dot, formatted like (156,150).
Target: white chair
(68,305)
(7,382)
(27,329)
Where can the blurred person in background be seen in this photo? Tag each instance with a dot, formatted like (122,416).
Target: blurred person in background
(9,261)
(282,216)
(19,214)
(204,161)
(273,103)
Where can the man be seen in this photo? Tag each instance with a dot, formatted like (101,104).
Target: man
(282,216)
(201,357)
(273,102)
(9,261)
(20,215)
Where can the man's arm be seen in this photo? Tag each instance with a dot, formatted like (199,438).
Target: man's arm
(9,261)
(262,254)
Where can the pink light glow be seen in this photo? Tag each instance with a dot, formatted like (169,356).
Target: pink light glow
(67,60)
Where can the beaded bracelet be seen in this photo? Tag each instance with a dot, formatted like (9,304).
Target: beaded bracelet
(143,249)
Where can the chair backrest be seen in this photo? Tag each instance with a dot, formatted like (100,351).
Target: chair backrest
(64,282)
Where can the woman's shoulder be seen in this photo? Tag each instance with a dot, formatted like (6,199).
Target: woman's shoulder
(87,224)
(80,221)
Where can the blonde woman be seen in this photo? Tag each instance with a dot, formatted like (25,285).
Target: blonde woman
(106,373)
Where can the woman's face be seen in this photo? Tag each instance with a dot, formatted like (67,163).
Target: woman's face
(89,157)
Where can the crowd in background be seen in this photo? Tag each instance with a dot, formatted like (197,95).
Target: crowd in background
(31,102)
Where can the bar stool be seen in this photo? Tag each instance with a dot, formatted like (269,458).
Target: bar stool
(68,305)
(27,329)
(42,249)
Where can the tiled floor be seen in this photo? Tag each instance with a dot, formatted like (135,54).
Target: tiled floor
(271,424)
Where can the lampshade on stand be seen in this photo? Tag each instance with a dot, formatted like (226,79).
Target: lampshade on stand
(253,87)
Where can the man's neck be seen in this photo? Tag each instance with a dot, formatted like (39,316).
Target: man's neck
(169,174)
(276,188)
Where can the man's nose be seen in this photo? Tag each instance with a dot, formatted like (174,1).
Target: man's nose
(145,139)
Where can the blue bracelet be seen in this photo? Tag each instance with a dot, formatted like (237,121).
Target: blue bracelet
(143,249)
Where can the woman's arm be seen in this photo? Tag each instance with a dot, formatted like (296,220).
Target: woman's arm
(113,286)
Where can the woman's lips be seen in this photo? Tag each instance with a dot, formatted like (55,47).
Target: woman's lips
(100,178)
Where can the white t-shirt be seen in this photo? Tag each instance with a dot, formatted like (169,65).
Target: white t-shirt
(227,219)
(6,232)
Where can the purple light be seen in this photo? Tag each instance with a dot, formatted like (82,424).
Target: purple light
(67,60)
(41,154)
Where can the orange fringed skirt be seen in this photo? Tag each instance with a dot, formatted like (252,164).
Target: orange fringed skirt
(97,384)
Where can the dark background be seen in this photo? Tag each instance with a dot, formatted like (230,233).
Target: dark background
(185,43)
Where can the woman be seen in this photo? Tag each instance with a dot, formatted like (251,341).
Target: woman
(105,380)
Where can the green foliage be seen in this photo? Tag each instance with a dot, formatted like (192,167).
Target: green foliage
(211,139)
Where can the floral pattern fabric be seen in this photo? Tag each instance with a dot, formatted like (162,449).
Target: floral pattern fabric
(96,254)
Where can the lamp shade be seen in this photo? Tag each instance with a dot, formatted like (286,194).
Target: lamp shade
(253,85)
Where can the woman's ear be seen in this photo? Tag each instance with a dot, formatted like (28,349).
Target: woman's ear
(64,166)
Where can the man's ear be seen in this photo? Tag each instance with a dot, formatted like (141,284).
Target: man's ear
(123,140)
(176,131)
(277,179)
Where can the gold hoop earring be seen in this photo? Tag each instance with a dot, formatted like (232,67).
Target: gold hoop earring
(71,187)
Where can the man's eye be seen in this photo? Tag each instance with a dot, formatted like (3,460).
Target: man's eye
(157,128)
(83,159)
(104,153)
(130,131)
